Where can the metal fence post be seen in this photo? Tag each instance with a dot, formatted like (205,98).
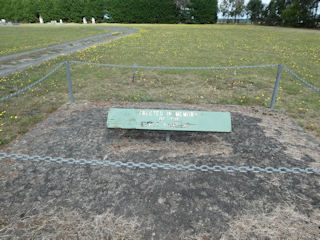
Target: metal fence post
(276,86)
(69,81)
(168,136)
(134,73)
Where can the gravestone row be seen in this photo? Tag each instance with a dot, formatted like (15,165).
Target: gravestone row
(4,22)
(84,20)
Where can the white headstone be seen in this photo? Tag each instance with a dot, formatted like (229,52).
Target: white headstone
(61,21)
(93,21)
(3,21)
(84,20)
(41,19)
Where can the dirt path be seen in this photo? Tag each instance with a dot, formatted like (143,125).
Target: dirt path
(17,62)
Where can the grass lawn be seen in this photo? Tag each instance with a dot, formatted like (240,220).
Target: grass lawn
(21,38)
(178,45)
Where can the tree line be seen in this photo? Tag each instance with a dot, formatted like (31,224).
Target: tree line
(293,13)
(68,10)
(121,11)
(296,13)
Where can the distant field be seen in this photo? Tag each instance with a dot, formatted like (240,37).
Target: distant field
(15,39)
(179,45)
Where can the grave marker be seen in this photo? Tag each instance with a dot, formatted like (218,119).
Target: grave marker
(169,120)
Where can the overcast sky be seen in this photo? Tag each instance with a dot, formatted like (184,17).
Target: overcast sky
(266,2)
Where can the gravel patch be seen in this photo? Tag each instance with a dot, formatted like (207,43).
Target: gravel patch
(56,201)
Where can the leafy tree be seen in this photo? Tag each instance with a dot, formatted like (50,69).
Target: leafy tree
(96,9)
(237,8)
(297,13)
(183,11)
(254,10)
(272,13)
(48,10)
(142,11)
(300,13)
(291,16)
(225,8)
(181,3)
(204,11)
(29,12)
(15,9)
(308,12)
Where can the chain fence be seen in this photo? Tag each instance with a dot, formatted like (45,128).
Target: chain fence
(280,67)
(26,97)
(163,166)
(173,68)
(33,84)
(301,80)
(50,94)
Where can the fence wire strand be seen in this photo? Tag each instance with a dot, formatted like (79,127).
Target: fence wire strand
(172,68)
(301,80)
(33,84)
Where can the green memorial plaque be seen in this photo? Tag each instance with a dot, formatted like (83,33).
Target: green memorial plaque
(169,120)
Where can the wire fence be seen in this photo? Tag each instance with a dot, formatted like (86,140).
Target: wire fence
(46,96)
(134,67)
(33,84)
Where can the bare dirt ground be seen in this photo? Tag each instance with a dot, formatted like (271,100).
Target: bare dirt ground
(56,201)
(17,62)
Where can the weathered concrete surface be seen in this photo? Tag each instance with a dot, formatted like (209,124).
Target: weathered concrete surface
(43,200)
(17,62)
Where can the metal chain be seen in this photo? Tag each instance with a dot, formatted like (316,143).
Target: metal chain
(164,166)
(301,80)
(33,84)
(151,67)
